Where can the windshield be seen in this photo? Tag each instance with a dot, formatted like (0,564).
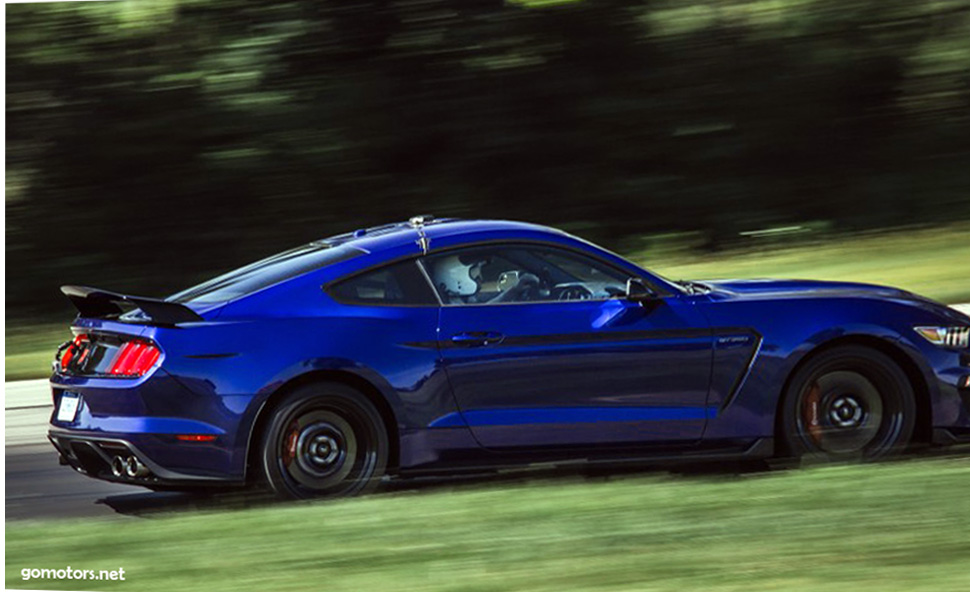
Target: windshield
(267,272)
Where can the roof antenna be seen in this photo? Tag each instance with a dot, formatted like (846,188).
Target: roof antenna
(417,223)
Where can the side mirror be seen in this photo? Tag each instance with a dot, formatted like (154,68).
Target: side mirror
(637,291)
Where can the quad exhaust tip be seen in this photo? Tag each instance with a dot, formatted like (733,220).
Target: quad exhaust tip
(129,467)
(134,468)
(118,466)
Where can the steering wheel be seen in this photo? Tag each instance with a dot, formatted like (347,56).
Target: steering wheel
(527,288)
(572,292)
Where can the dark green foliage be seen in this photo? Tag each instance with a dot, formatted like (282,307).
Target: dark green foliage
(152,144)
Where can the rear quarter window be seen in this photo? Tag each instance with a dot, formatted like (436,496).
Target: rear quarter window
(263,274)
(400,284)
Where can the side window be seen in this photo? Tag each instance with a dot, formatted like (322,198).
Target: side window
(521,273)
(398,284)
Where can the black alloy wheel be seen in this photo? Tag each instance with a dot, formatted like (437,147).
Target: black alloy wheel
(324,440)
(848,403)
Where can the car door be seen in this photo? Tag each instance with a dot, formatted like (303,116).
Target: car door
(542,350)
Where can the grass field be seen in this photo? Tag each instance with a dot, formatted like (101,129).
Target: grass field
(932,262)
(879,528)
(30,349)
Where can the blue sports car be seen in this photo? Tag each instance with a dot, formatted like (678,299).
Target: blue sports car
(445,346)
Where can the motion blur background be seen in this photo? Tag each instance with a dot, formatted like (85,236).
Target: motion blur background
(153,144)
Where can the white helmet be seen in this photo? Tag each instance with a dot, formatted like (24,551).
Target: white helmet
(455,277)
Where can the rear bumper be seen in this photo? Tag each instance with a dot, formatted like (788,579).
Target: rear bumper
(152,420)
(95,454)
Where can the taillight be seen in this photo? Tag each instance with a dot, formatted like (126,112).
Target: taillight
(71,350)
(134,359)
(105,355)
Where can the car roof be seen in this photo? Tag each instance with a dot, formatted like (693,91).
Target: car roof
(391,236)
(392,242)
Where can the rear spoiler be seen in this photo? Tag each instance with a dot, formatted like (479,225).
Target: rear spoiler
(95,303)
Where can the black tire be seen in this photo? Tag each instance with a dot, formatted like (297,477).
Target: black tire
(323,440)
(848,403)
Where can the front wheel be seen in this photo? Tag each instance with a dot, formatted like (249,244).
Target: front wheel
(324,440)
(848,403)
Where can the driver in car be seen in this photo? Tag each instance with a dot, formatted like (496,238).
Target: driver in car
(459,282)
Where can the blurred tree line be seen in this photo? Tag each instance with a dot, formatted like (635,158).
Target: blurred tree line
(151,144)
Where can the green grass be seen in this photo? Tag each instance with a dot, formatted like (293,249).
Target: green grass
(879,528)
(30,349)
(932,262)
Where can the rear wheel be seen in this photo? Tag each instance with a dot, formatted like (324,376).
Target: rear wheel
(848,403)
(324,440)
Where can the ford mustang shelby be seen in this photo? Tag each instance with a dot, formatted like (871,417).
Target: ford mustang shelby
(449,345)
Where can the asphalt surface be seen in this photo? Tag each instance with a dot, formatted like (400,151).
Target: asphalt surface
(37,487)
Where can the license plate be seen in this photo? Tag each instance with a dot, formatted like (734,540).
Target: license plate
(67,409)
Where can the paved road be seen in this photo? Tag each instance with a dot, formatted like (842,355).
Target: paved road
(37,487)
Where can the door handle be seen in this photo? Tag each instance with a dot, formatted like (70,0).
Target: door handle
(477,338)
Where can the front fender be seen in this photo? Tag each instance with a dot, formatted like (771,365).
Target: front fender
(794,329)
